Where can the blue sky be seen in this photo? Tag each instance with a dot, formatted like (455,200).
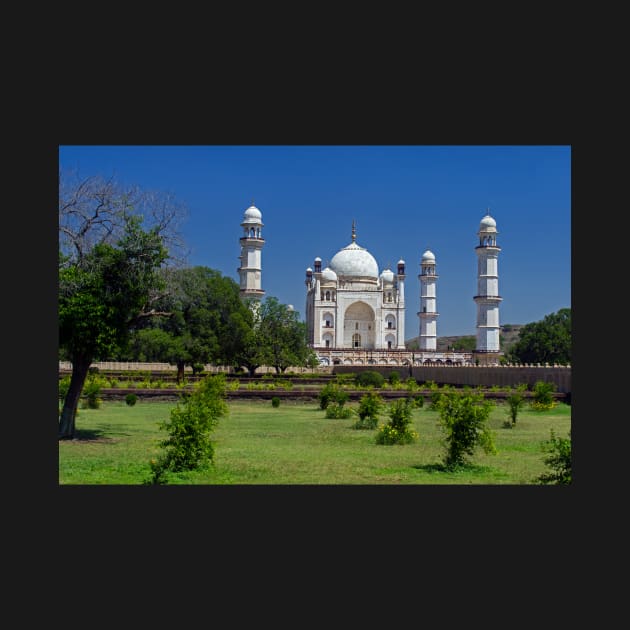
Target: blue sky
(404,200)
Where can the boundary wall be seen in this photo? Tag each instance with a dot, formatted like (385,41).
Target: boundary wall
(503,376)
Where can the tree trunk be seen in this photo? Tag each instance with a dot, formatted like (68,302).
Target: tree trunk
(80,367)
(180,371)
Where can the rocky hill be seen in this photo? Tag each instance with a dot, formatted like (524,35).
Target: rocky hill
(509,335)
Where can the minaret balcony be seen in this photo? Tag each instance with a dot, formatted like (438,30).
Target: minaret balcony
(492,298)
(252,239)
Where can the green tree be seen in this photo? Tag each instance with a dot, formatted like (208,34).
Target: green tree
(282,336)
(111,245)
(545,341)
(463,418)
(559,460)
(189,445)
(209,323)
(465,344)
(100,298)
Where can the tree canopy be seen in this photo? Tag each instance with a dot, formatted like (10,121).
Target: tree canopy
(109,257)
(208,321)
(545,341)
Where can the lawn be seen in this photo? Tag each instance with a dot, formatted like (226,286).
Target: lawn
(296,444)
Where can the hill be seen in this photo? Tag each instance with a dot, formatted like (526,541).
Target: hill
(509,335)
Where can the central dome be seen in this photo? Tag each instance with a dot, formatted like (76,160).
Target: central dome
(355,262)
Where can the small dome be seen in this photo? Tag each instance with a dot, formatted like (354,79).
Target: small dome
(328,275)
(387,275)
(309,270)
(428,256)
(252,215)
(400,262)
(318,259)
(354,261)
(488,224)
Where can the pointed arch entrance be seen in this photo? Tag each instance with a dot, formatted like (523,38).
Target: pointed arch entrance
(359,326)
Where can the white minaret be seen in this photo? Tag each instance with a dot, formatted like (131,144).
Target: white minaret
(428,312)
(400,298)
(252,242)
(487,297)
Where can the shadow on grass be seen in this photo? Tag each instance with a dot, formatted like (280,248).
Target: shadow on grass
(89,435)
(441,468)
(105,434)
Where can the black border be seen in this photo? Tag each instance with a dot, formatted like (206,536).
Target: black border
(498,516)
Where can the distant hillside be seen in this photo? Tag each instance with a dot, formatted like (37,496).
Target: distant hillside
(509,335)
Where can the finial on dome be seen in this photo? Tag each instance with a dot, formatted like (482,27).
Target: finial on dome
(354,231)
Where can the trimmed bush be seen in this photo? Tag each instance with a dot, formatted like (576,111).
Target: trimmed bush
(131,399)
(369,378)
(275,401)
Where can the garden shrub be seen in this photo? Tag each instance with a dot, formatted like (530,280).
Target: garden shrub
(559,460)
(394,377)
(131,399)
(515,402)
(275,401)
(542,396)
(369,378)
(338,411)
(332,393)
(397,430)
(91,392)
(370,406)
(192,421)
(463,417)
(411,384)
(64,386)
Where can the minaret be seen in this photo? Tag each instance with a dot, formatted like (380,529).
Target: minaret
(400,298)
(428,314)
(487,297)
(252,242)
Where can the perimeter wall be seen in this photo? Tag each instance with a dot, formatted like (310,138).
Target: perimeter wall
(473,376)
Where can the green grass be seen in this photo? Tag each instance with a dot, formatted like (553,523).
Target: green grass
(296,444)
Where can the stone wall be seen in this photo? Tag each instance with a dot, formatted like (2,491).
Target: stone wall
(473,376)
